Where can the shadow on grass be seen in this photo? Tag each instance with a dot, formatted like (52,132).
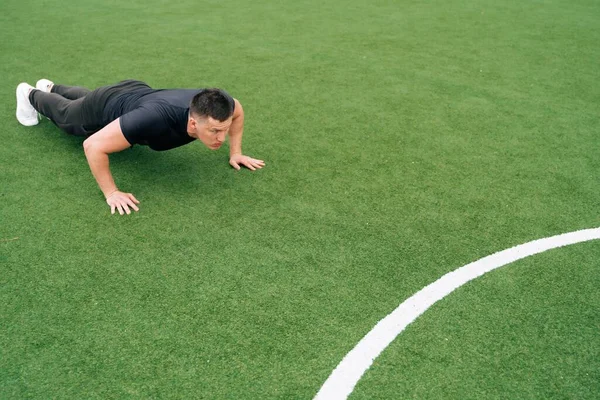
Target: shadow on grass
(190,168)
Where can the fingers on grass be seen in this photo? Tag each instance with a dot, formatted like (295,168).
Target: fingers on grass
(132,205)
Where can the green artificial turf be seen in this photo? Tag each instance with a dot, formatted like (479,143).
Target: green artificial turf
(528,330)
(402,140)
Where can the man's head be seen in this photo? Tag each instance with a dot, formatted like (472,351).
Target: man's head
(211,113)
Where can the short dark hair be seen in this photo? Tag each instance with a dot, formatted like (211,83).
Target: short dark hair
(214,103)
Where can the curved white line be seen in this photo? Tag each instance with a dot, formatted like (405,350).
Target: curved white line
(346,375)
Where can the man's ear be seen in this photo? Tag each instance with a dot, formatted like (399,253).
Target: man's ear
(195,122)
(192,125)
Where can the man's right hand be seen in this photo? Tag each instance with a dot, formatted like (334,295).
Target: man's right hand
(97,147)
(122,201)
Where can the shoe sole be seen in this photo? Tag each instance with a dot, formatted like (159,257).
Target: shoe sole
(42,85)
(24,121)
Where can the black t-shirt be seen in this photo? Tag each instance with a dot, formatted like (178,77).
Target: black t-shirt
(153,117)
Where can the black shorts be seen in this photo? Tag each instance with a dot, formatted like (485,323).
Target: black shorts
(79,111)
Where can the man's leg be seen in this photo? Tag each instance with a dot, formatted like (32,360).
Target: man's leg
(70,92)
(68,115)
(54,106)
(82,116)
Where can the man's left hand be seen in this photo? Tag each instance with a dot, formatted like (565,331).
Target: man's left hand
(251,163)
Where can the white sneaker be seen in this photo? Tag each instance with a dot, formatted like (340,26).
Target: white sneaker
(44,85)
(26,114)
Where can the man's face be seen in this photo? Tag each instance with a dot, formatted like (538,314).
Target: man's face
(210,131)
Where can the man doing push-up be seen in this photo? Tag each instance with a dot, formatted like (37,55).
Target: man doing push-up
(116,117)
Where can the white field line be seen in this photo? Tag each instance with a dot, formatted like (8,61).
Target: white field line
(346,375)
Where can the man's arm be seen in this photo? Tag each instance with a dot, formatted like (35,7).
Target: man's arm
(236,131)
(97,147)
